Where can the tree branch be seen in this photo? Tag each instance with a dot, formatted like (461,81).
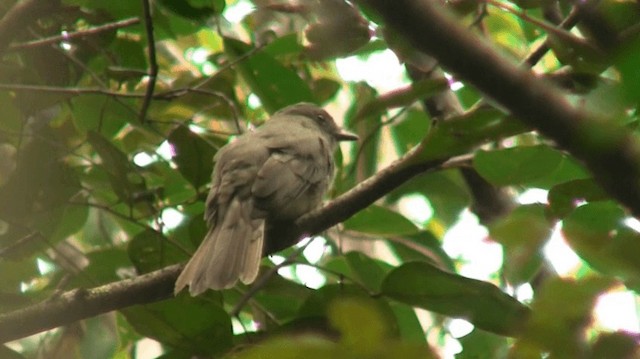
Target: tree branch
(79,304)
(20,16)
(610,152)
(76,34)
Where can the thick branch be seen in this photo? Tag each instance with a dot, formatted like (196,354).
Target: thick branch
(609,152)
(79,304)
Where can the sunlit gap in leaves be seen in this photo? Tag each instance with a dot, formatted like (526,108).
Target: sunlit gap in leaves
(234,13)
(416,207)
(65,45)
(254,101)
(468,242)
(380,70)
(614,310)
(171,218)
(44,266)
(148,349)
(308,275)
(143,159)
(199,57)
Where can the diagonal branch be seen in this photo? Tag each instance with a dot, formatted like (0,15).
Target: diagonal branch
(79,304)
(76,34)
(610,152)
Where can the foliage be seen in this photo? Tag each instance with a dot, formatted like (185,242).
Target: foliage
(94,172)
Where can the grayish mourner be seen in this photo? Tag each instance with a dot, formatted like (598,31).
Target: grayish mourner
(280,171)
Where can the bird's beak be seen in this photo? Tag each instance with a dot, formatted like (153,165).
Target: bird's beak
(346,136)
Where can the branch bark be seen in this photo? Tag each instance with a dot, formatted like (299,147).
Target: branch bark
(81,303)
(609,151)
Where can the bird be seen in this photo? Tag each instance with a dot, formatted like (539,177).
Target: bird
(278,172)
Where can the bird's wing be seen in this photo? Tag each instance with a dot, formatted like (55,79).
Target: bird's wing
(295,175)
(236,166)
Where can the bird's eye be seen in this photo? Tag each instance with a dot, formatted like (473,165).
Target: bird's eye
(320,118)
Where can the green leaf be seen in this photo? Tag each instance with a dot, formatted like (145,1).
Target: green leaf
(517,165)
(523,249)
(282,298)
(284,46)
(367,127)
(346,316)
(463,133)
(150,250)
(193,155)
(367,271)
(104,267)
(564,197)
(615,345)
(596,231)
(195,325)
(410,131)
(191,9)
(325,89)
(101,114)
(446,191)
(626,62)
(480,344)
(275,85)
(319,302)
(423,285)
(408,323)
(124,180)
(381,221)
(560,314)
(422,246)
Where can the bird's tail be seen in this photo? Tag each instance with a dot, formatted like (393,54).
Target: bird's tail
(230,251)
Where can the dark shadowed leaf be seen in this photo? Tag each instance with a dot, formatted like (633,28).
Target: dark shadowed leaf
(564,197)
(193,155)
(275,85)
(196,325)
(480,344)
(560,314)
(150,250)
(523,248)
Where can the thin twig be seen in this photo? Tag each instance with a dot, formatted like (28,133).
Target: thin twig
(21,15)
(153,63)
(76,34)
(534,56)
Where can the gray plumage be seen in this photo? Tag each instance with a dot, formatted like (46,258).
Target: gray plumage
(280,172)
